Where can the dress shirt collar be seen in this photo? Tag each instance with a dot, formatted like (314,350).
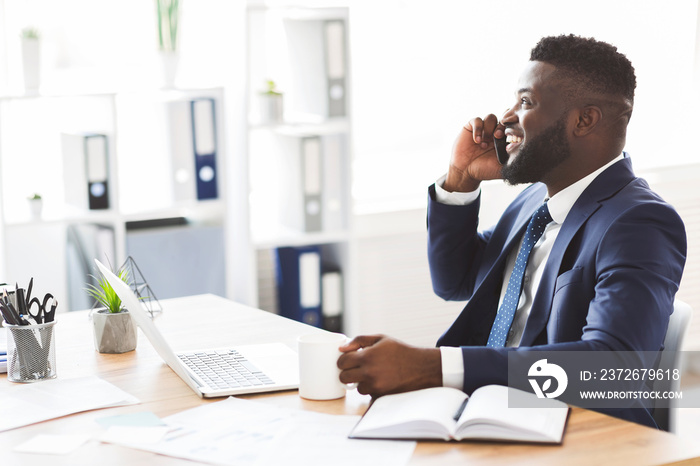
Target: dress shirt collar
(561,203)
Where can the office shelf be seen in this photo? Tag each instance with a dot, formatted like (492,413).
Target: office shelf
(140,183)
(288,237)
(274,41)
(299,128)
(290,45)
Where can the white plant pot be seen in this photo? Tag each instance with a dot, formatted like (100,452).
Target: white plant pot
(114,333)
(271,108)
(31,63)
(35,208)
(169,62)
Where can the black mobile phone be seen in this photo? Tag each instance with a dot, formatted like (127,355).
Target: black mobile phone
(501,154)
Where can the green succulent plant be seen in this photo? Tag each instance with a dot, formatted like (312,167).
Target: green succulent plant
(168,12)
(29,33)
(104,294)
(271,88)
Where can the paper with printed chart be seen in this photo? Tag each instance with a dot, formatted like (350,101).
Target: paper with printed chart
(242,432)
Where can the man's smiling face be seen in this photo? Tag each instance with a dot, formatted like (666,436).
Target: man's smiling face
(536,126)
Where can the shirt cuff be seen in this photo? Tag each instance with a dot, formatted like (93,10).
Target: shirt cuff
(446,197)
(452,367)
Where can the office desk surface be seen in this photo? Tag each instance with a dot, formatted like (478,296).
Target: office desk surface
(208,321)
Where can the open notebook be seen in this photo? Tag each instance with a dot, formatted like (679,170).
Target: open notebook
(450,414)
(218,371)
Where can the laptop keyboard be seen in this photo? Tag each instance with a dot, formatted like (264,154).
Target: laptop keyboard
(224,369)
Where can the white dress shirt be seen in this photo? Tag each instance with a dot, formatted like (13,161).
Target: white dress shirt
(559,206)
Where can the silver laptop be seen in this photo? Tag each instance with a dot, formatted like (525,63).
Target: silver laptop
(216,372)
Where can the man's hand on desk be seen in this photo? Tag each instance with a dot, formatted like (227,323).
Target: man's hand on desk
(381,365)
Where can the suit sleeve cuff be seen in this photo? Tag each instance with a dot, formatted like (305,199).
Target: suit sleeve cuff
(446,197)
(452,367)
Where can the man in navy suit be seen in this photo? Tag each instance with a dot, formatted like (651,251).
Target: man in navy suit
(605,271)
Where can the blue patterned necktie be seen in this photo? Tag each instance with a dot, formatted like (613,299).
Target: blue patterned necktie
(504,317)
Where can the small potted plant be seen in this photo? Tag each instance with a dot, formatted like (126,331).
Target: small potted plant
(168,17)
(271,100)
(31,57)
(115,332)
(36,205)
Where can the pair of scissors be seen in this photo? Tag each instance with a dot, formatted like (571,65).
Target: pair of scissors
(42,316)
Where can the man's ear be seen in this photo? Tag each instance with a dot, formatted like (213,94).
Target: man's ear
(588,118)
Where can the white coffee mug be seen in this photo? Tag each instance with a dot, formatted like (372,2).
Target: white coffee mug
(319,376)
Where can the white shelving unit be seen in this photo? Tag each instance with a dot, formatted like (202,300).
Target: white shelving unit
(304,51)
(279,42)
(140,178)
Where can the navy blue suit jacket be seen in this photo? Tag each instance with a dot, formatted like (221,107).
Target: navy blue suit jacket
(608,284)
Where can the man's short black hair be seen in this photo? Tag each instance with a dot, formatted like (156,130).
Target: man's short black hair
(592,65)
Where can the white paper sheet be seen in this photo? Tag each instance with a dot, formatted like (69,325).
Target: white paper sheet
(30,403)
(130,434)
(140,419)
(52,444)
(241,432)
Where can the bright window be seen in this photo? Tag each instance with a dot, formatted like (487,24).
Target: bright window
(423,69)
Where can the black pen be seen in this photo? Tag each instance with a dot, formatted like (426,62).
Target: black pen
(10,318)
(459,412)
(15,315)
(21,301)
(21,307)
(6,315)
(29,289)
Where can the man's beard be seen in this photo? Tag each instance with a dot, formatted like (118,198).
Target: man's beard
(538,156)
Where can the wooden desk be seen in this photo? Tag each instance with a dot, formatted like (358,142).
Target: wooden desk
(591,438)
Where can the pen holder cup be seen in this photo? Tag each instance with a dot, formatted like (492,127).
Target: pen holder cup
(31,352)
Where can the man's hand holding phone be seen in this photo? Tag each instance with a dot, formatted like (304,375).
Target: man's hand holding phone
(473,155)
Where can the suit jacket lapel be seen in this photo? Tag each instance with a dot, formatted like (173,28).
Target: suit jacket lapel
(473,324)
(603,187)
(524,213)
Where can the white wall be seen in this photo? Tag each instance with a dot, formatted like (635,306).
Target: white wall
(423,69)
(420,69)
(98,44)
